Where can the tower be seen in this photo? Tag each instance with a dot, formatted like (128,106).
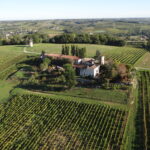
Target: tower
(102,60)
(31,43)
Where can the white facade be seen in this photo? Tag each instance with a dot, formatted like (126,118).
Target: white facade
(31,43)
(102,60)
(89,71)
(78,61)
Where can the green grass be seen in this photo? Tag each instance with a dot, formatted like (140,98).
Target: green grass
(123,54)
(20,91)
(128,55)
(97,94)
(7,53)
(5,88)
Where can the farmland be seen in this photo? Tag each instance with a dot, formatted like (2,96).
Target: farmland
(36,122)
(144,61)
(7,53)
(5,88)
(79,118)
(127,55)
(113,26)
(97,94)
(142,140)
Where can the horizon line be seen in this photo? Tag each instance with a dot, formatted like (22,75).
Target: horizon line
(46,19)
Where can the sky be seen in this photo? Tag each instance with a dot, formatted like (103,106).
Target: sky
(73,9)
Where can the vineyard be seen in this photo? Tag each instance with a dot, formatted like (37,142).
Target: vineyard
(143,113)
(10,67)
(36,122)
(128,56)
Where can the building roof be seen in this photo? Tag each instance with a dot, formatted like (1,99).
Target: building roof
(80,66)
(63,56)
(94,66)
(87,59)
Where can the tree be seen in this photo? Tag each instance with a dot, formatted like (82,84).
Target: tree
(109,71)
(63,50)
(98,54)
(82,52)
(16,39)
(67,50)
(86,38)
(43,66)
(43,54)
(1,42)
(77,51)
(45,63)
(148,45)
(69,75)
(73,50)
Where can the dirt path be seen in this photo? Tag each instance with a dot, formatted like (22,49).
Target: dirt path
(134,83)
(141,68)
(27,52)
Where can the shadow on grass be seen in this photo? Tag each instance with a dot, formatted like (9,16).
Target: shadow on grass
(41,87)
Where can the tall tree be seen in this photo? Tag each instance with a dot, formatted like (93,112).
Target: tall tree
(67,50)
(73,50)
(82,52)
(148,44)
(98,54)
(63,50)
(69,75)
(77,51)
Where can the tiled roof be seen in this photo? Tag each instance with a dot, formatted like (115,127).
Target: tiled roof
(94,66)
(79,66)
(85,66)
(63,56)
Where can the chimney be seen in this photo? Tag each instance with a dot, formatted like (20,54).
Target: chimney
(102,60)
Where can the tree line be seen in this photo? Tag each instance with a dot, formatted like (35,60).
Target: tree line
(148,45)
(22,40)
(74,50)
(103,39)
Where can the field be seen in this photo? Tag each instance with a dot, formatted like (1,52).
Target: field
(7,53)
(127,55)
(144,61)
(111,26)
(36,122)
(77,119)
(117,96)
(142,140)
(5,88)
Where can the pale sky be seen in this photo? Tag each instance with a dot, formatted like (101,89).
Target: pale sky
(67,9)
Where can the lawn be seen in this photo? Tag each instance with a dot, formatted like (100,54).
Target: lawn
(127,55)
(5,88)
(97,94)
(7,53)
